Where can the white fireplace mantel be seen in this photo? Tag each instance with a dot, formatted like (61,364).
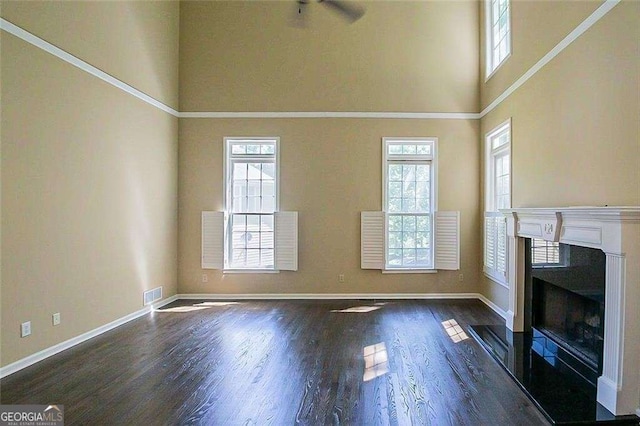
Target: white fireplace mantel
(615,231)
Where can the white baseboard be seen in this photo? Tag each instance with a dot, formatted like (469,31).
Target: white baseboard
(495,308)
(46,353)
(345,296)
(328,296)
(607,393)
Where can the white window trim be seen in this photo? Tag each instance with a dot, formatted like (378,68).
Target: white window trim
(489,207)
(433,159)
(228,189)
(490,67)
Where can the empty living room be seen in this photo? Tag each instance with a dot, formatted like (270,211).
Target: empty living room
(320,212)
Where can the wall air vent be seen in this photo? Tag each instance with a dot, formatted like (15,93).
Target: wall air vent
(151,296)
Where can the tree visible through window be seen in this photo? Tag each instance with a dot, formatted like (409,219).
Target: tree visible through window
(409,190)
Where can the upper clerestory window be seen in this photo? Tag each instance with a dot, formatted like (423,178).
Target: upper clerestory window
(498,34)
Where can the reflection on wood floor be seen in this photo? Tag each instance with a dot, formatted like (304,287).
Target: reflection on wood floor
(283,363)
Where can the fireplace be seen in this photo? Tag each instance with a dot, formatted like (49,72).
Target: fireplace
(567,302)
(613,232)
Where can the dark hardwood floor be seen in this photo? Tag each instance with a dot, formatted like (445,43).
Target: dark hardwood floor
(283,363)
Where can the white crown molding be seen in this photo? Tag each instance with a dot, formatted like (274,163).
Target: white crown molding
(570,38)
(84,66)
(79,63)
(50,351)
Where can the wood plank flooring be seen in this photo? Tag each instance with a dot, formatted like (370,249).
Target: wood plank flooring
(282,363)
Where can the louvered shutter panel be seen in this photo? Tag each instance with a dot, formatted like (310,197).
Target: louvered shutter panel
(489,242)
(372,240)
(501,252)
(286,241)
(447,240)
(212,240)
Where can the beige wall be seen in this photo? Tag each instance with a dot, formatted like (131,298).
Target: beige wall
(538,26)
(575,133)
(134,41)
(89,186)
(330,171)
(400,56)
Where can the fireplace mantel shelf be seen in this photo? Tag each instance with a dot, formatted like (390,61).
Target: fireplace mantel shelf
(616,231)
(601,213)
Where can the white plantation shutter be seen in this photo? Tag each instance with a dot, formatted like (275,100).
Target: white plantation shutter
(286,241)
(495,245)
(372,240)
(447,240)
(212,240)
(489,242)
(501,252)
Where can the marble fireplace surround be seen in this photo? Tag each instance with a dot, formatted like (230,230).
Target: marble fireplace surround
(616,231)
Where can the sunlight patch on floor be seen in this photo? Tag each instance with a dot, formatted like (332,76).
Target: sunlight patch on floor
(376,361)
(216,303)
(183,309)
(358,309)
(455,332)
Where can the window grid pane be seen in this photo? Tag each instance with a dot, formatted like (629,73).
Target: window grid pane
(408,203)
(253,187)
(545,252)
(498,33)
(409,241)
(252,241)
(408,188)
(252,201)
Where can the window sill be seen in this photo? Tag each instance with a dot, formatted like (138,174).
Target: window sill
(496,280)
(250,271)
(409,271)
(495,70)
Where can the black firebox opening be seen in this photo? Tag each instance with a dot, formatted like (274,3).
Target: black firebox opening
(567,302)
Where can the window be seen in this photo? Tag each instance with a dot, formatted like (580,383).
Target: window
(252,234)
(251,202)
(498,33)
(547,253)
(409,202)
(497,196)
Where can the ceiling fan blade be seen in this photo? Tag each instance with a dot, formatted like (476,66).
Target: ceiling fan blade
(350,11)
(299,15)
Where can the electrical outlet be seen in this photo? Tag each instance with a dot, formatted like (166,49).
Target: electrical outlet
(461,277)
(25,329)
(341,278)
(56,318)
(205,278)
